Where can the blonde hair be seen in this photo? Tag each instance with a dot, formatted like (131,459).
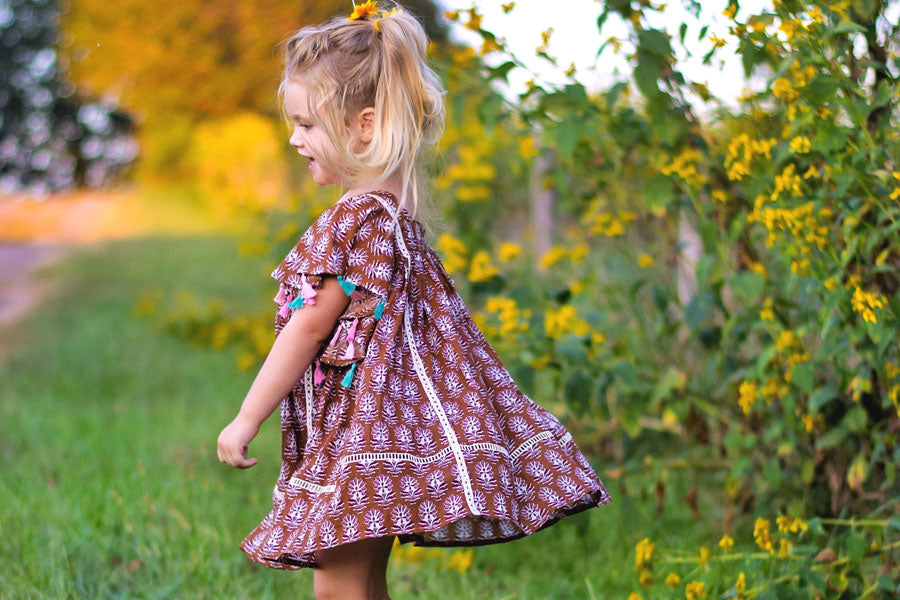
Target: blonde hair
(348,65)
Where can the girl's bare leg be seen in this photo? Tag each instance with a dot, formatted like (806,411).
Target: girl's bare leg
(354,571)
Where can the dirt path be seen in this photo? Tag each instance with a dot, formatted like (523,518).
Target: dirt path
(19,287)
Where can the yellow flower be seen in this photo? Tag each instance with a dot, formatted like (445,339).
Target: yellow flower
(800,144)
(565,320)
(645,577)
(761,534)
(634,596)
(811,172)
(552,256)
(527,148)
(767,314)
(245,361)
(816,15)
(578,252)
(474,22)
(645,260)
(782,88)
(808,421)
(747,396)
(729,12)
(720,196)
(740,586)
(726,543)
(461,560)
(864,303)
(784,547)
(615,228)
(454,252)
(507,7)
(481,268)
(672,580)
(695,590)
(509,251)
(361,11)
(785,340)
(719,42)
(643,552)
(704,555)
(540,362)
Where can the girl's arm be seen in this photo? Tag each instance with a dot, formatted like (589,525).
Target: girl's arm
(293,350)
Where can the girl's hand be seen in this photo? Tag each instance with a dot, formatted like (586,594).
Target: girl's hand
(232,444)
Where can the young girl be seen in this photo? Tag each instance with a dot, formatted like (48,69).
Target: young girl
(398,418)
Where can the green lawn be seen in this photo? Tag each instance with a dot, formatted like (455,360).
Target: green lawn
(111,486)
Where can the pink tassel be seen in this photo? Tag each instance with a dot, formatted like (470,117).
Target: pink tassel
(307,291)
(348,353)
(357,295)
(284,311)
(280,297)
(318,376)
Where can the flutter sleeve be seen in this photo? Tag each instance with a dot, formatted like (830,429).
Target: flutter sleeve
(352,240)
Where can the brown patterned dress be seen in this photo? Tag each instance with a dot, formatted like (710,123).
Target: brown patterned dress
(406,423)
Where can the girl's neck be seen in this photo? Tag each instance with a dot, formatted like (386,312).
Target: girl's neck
(391,184)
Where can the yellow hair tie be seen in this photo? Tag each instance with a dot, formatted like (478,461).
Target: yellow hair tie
(384,13)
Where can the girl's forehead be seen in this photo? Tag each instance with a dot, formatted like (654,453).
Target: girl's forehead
(295,98)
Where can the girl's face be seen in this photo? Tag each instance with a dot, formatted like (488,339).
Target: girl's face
(309,139)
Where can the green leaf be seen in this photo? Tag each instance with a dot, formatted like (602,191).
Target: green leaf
(822,396)
(566,136)
(855,546)
(672,379)
(747,286)
(815,525)
(655,41)
(646,73)
(658,190)
(856,419)
(832,438)
(846,26)
(803,377)
(501,71)
(882,94)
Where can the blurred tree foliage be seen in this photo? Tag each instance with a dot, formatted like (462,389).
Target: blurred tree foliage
(175,65)
(51,137)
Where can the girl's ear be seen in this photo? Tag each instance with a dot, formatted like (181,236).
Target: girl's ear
(366,124)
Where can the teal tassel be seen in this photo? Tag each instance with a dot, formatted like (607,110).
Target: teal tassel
(379,309)
(347,286)
(296,302)
(348,378)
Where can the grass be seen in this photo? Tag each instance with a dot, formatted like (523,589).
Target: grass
(111,486)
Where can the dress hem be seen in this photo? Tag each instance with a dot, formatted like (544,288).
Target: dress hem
(596,498)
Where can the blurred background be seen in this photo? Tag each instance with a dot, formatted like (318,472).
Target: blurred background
(697,271)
